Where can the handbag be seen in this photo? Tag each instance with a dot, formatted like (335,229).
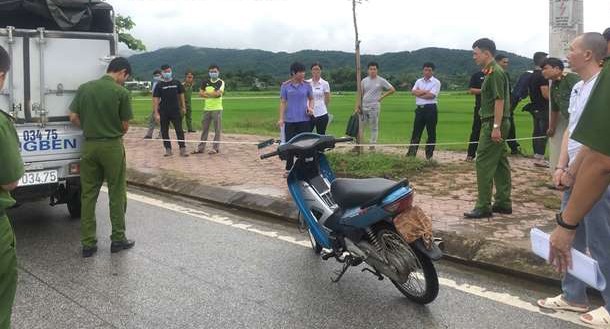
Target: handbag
(353,126)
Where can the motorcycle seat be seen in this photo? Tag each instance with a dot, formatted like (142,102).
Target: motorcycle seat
(350,193)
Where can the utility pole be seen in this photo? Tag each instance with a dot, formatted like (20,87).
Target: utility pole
(565,24)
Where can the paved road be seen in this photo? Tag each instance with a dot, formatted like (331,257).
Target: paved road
(195,266)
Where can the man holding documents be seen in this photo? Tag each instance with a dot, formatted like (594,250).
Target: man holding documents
(593,233)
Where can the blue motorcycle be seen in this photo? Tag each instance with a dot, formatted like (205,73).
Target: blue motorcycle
(351,220)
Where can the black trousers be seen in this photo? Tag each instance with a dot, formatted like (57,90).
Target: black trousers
(425,116)
(475,133)
(541,125)
(175,120)
(512,133)
(321,123)
(292,129)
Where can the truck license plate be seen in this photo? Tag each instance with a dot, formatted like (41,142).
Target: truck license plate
(38,177)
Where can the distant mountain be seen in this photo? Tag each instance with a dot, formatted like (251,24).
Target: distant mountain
(453,66)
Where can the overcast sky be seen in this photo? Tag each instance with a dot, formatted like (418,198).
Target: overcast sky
(519,26)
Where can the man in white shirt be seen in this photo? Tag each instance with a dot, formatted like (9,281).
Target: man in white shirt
(593,233)
(426,92)
(374,90)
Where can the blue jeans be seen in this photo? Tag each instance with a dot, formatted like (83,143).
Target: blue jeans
(592,233)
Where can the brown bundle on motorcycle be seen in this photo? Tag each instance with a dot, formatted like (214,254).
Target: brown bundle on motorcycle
(414,224)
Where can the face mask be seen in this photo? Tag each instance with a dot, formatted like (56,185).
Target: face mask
(167,75)
(214,75)
(156,78)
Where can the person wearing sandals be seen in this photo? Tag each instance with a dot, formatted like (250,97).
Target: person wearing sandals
(593,234)
(321,96)
(211,90)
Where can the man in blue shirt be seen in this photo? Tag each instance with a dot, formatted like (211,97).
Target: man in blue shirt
(296,105)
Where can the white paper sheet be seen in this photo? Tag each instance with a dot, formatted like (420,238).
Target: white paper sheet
(584,267)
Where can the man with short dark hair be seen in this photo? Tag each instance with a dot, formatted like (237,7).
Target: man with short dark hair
(102,109)
(426,92)
(296,107)
(156,77)
(539,108)
(561,90)
(211,90)
(491,161)
(374,90)
(189,78)
(11,171)
(476,81)
(170,106)
(503,61)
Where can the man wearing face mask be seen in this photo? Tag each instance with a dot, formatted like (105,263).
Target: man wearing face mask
(168,100)
(151,120)
(102,108)
(211,90)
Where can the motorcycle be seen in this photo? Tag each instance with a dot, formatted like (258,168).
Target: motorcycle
(351,220)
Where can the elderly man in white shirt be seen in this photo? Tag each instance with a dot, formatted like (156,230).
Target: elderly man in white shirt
(593,233)
(426,92)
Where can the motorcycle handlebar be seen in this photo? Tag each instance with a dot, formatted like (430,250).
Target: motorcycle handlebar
(269,155)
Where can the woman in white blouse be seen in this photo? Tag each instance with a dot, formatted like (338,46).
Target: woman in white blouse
(321,96)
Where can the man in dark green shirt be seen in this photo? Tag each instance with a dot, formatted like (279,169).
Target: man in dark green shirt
(591,169)
(188,95)
(560,92)
(491,160)
(102,108)
(11,170)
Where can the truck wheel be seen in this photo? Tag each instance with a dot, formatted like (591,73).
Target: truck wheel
(74,206)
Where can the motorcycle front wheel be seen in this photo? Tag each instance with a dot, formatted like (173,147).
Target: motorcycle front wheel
(421,285)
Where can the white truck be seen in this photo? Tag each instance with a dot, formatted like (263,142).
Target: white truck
(53,50)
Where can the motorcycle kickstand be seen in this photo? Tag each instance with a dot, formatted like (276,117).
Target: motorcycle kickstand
(375,273)
(340,274)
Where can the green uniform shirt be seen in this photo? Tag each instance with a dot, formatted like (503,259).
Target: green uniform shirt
(561,92)
(102,106)
(188,94)
(594,124)
(11,164)
(213,104)
(495,86)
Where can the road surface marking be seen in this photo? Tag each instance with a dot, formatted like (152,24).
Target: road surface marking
(499,297)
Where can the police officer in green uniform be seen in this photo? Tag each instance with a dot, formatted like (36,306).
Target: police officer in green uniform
(102,108)
(11,170)
(491,160)
(188,95)
(560,93)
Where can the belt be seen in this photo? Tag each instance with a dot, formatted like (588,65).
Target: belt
(426,106)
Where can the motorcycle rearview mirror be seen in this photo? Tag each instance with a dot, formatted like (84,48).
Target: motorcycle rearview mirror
(266,143)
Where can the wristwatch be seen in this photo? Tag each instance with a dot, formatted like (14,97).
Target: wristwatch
(563,224)
(496,126)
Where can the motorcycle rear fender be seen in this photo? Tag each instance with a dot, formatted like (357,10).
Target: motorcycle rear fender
(434,253)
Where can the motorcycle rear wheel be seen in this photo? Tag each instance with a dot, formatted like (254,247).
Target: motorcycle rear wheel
(422,285)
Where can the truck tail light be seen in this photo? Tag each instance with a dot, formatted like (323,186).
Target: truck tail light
(75,168)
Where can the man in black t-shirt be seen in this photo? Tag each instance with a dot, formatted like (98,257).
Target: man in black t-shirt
(168,99)
(539,108)
(476,82)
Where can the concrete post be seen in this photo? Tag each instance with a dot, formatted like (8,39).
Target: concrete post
(565,23)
